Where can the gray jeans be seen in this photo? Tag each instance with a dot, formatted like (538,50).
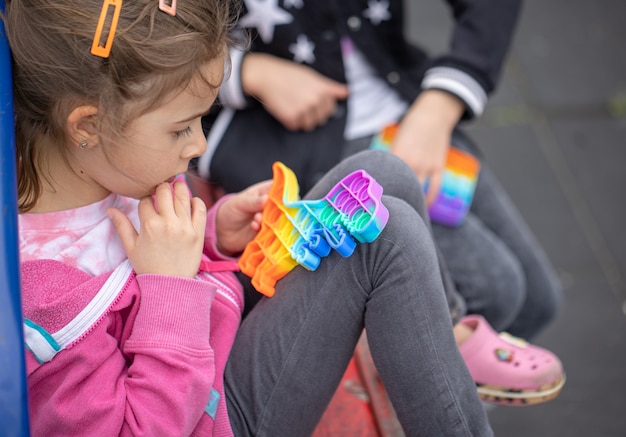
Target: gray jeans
(292,349)
(498,268)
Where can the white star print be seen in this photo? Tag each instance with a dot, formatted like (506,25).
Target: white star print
(298,4)
(377,11)
(303,50)
(265,15)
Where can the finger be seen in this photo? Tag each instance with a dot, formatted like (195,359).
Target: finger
(433,188)
(124,227)
(321,111)
(332,109)
(291,123)
(326,109)
(147,208)
(308,121)
(163,199)
(261,202)
(182,199)
(337,89)
(262,187)
(198,215)
(261,192)
(256,222)
(252,202)
(341,92)
(425,182)
(422,177)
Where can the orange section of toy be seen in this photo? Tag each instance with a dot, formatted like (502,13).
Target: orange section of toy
(268,253)
(462,163)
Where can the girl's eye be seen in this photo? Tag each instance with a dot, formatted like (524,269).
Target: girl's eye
(185,132)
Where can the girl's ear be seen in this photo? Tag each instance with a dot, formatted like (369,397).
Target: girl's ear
(81,126)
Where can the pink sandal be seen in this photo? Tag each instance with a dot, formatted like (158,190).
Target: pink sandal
(508,370)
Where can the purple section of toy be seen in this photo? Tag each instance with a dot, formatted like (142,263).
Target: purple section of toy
(352,210)
(455,197)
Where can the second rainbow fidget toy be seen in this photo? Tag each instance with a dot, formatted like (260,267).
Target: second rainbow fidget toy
(457,186)
(295,231)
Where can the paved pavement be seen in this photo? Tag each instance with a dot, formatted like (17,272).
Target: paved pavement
(555,133)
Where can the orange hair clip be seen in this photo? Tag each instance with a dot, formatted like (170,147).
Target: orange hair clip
(97,49)
(168,8)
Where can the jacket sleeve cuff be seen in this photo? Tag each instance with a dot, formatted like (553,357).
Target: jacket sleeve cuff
(460,84)
(174,311)
(231,92)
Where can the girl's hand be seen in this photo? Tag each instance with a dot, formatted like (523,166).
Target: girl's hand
(423,137)
(239,218)
(171,236)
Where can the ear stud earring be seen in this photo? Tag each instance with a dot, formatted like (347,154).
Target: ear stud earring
(83,144)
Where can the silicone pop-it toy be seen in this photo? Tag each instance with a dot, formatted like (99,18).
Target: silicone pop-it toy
(457,186)
(301,232)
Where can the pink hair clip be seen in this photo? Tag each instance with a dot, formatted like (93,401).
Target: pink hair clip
(168,8)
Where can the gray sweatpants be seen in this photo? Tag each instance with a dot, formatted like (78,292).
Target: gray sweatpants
(499,269)
(292,349)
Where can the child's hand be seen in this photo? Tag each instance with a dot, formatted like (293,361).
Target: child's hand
(296,95)
(239,218)
(171,237)
(423,137)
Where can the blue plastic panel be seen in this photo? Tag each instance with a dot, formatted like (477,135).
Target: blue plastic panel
(13,399)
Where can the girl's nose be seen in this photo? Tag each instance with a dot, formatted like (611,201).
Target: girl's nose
(197,146)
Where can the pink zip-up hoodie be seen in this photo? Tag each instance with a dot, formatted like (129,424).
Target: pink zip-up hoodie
(125,354)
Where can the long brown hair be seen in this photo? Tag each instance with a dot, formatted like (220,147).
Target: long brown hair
(153,54)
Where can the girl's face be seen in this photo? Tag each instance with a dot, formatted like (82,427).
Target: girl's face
(159,144)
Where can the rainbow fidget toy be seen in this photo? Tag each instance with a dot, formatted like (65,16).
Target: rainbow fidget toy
(295,231)
(457,186)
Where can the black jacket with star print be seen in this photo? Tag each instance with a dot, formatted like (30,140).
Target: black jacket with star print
(243,148)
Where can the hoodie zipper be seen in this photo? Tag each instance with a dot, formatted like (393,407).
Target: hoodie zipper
(45,346)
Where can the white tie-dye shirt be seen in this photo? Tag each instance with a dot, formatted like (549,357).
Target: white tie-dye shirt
(84,237)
